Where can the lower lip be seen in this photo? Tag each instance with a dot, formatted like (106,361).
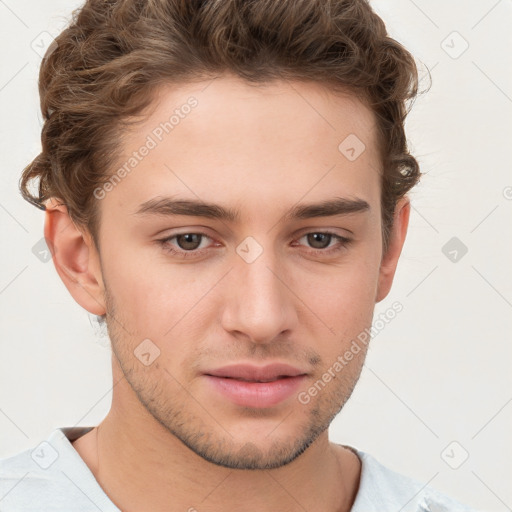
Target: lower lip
(256,394)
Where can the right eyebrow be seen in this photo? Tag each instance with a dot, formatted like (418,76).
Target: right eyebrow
(169,206)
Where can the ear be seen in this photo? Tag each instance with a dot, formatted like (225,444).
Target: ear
(75,258)
(396,241)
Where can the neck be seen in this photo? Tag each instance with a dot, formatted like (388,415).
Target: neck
(142,466)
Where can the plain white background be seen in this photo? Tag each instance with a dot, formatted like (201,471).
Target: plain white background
(437,384)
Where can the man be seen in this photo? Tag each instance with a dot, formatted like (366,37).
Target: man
(225,185)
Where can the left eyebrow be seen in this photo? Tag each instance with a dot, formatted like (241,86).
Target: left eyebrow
(164,206)
(329,208)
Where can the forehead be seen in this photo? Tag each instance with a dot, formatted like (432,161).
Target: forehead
(227,138)
(308,111)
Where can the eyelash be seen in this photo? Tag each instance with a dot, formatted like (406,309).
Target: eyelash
(165,243)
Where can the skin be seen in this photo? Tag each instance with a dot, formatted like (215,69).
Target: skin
(171,442)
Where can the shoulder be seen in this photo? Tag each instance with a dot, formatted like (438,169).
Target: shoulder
(381,488)
(50,476)
(23,482)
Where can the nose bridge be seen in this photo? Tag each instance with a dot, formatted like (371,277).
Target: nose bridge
(260,306)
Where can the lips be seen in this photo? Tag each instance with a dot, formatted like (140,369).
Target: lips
(250,373)
(255,386)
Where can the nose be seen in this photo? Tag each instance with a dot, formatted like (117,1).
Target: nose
(259,305)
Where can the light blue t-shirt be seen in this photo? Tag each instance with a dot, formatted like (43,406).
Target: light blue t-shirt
(52,477)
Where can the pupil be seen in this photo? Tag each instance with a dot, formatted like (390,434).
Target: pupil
(314,238)
(192,240)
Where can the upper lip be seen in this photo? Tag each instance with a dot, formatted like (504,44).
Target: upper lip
(251,372)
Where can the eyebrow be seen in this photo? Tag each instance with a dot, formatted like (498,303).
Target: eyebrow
(165,206)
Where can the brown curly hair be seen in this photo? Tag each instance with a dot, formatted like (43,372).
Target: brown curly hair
(100,74)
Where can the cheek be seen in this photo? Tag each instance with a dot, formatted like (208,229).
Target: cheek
(155,299)
(345,300)
(158,298)
(347,287)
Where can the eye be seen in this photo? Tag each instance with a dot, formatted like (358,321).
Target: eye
(320,242)
(190,245)
(187,244)
(189,241)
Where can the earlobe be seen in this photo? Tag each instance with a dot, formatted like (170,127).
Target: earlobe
(75,258)
(396,241)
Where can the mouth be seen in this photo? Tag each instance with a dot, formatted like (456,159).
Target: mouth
(254,380)
(256,387)
(251,373)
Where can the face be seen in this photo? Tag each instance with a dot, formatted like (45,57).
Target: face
(256,278)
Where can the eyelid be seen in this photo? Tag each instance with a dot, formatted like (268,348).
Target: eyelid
(168,238)
(296,236)
(320,229)
(343,243)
